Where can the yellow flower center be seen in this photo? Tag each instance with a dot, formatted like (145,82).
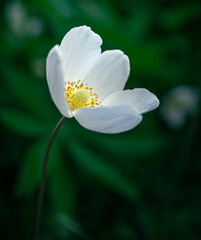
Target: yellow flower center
(82,95)
(79,95)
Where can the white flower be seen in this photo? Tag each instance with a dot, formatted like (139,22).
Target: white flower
(178,105)
(22,24)
(88,84)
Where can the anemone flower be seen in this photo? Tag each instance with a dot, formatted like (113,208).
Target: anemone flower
(88,85)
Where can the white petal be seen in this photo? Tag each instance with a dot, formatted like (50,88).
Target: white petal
(113,119)
(139,98)
(109,74)
(55,80)
(80,48)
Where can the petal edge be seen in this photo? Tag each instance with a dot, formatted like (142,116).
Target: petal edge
(55,80)
(111,120)
(139,98)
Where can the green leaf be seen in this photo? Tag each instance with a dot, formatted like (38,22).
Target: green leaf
(30,172)
(129,145)
(25,89)
(21,123)
(29,176)
(63,225)
(103,172)
(60,185)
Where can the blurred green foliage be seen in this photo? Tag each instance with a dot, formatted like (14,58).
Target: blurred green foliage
(142,184)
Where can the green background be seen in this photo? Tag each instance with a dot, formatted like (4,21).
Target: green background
(140,185)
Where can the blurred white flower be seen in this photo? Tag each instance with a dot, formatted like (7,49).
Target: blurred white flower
(178,104)
(88,84)
(22,24)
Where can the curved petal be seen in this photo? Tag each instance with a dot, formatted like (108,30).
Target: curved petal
(55,80)
(114,119)
(80,48)
(109,74)
(139,98)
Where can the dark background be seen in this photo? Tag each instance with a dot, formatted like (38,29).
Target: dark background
(143,184)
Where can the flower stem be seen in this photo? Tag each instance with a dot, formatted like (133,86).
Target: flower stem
(42,185)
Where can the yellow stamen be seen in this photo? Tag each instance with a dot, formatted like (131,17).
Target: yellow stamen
(79,95)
